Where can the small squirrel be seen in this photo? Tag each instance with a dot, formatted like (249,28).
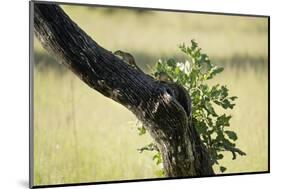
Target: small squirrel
(127,57)
(179,92)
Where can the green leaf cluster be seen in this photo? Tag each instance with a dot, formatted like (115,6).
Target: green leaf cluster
(213,127)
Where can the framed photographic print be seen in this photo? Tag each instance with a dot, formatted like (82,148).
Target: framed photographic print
(120,94)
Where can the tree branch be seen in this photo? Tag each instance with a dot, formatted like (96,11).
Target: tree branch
(153,102)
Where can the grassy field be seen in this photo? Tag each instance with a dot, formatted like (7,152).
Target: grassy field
(81,136)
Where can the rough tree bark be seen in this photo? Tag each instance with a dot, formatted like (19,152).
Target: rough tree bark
(153,102)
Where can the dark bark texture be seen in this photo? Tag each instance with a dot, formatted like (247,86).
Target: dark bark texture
(154,103)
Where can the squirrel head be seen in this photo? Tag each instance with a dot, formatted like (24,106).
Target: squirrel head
(118,52)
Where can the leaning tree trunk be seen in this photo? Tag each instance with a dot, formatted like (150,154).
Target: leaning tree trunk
(153,102)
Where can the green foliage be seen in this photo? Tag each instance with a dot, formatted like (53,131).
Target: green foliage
(193,74)
(222,169)
(141,130)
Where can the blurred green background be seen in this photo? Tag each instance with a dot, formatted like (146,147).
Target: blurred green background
(81,136)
